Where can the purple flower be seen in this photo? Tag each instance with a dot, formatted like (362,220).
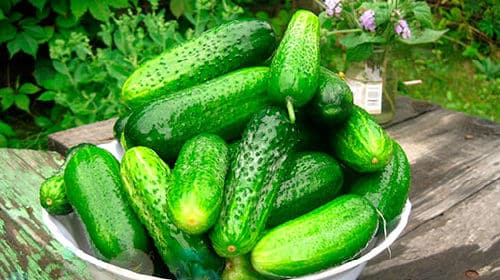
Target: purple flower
(402,29)
(367,20)
(333,7)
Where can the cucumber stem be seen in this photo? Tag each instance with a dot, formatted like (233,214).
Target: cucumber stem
(289,107)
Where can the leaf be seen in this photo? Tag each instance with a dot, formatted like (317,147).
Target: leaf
(427,36)
(59,6)
(6,129)
(23,42)
(28,88)
(43,122)
(22,102)
(99,10)
(66,21)
(35,31)
(3,141)
(78,7)
(177,7)
(39,4)
(60,67)
(7,101)
(353,40)
(7,31)
(118,3)
(423,13)
(47,96)
(2,16)
(359,53)
(6,91)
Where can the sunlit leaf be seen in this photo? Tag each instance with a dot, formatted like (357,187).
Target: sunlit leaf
(28,88)
(22,102)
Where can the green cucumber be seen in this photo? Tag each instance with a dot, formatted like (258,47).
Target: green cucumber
(313,179)
(194,200)
(147,179)
(220,106)
(240,268)
(388,189)
(253,181)
(53,196)
(94,189)
(332,104)
(361,143)
(322,238)
(225,48)
(53,191)
(294,70)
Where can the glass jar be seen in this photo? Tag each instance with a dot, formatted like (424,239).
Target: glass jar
(374,84)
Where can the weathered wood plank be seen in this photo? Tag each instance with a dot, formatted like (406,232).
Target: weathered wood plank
(27,251)
(463,243)
(95,133)
(102,132)
(452,156)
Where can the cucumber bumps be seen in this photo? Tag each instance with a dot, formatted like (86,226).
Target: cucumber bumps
(294,70)
(253,181)
(146,181)
(225,48)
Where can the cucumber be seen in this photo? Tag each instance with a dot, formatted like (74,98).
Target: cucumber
(253,181)
(240,268)
(322,238)
(294,70)
(332,104)
(221,106)
(53,191)
(313,179)
(388,189)
(120,125)
(225,48)
(146,181)
(194,200)
(53,196)
(361,143)
(94,189)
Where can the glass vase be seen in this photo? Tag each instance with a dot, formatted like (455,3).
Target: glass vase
(374,84)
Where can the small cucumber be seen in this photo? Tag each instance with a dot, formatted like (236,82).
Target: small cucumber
(294,70)
(194,200)
(230,46)
(146,181)
(313,179)
(361,143)
(220,106)
(240,268)
(53,196)
(322,238)
(53,191)
(253,181)
(388,189)
(94,189)
(332,104)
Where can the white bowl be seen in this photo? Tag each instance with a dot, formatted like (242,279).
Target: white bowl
(70,233)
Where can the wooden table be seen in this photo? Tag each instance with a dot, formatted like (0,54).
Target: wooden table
(454,228)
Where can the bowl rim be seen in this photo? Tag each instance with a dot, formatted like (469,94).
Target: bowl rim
(114,147)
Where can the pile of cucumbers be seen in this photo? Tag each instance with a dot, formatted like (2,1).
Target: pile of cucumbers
(245,159)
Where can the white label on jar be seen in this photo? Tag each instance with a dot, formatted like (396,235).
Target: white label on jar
(367,95)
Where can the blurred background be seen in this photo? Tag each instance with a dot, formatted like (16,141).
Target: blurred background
(62,62)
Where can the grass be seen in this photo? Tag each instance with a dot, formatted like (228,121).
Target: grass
(450,80)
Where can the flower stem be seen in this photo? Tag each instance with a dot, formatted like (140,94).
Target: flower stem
(344,31)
